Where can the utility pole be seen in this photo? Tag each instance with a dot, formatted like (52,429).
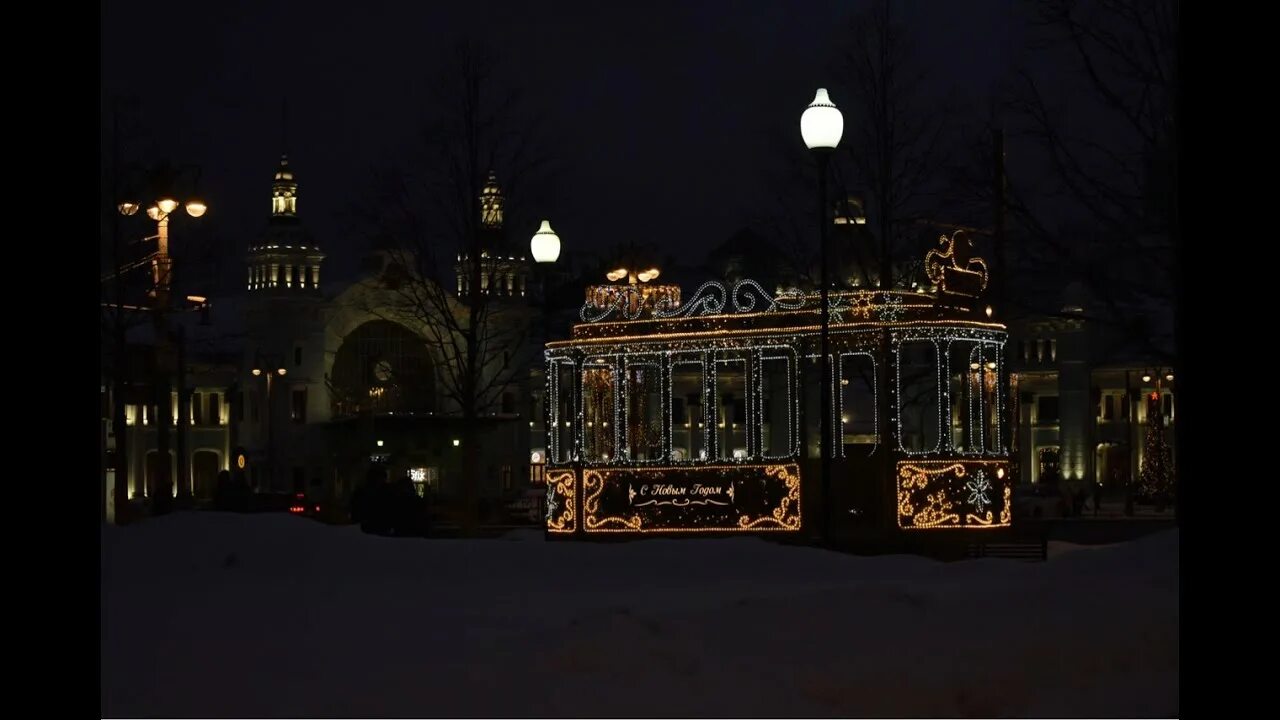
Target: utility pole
(119,420)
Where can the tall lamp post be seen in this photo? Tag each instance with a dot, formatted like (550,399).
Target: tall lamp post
(163,179)
(260,368)
(821,126)
(545,248)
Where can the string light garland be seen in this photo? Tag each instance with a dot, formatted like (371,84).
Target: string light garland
(669,419)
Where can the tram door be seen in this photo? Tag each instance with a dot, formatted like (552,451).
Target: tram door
(858,457)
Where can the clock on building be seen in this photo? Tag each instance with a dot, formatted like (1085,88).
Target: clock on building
(382,371)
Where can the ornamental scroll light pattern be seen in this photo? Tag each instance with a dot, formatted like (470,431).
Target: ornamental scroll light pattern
(560,502)
(787,515)
(954,268)
(714,499)
(946,494)
(634,301)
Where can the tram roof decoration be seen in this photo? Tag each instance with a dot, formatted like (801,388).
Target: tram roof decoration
(631,296)
(954,268)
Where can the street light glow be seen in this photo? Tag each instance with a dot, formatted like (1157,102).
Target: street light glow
(822,124)
(167,205)
(545,244)
(195,208)
(257,372)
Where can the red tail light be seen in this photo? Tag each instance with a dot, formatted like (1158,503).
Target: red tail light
(317,508)
(297,509)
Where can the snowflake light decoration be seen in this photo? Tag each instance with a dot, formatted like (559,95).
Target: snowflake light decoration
(861,305)
(891,308)
(978,488)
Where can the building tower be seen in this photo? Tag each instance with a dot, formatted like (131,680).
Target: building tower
(282,374)
(504,271)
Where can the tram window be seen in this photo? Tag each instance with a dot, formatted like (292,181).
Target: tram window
(810,379)
(965,382)
(598,401)
(857,401)
(918,396)
(564,412)
(688,434)
(776,392)
(644,411)
(992,432)
(731,420)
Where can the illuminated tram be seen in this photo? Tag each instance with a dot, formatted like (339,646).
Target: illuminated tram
(671,417)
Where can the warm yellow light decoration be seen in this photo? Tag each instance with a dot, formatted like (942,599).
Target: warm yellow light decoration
(932,494)
(561,517)
(650,274)
(616,275)
(954,269)
(641,517)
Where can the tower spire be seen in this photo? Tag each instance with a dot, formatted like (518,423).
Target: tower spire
(284,126)
(284,190)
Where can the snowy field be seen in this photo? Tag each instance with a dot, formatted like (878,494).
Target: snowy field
(218,615)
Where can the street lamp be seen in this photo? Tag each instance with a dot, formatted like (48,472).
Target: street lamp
(262,367)
(162,178)
(160,212)
(545,248)
(545,244)
(821,126)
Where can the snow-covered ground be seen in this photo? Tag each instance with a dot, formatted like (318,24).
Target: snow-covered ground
(218,615)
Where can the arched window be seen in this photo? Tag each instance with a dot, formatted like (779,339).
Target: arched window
(382,367)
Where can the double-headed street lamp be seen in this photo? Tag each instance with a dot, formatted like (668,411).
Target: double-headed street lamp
(821,126)
(262,367)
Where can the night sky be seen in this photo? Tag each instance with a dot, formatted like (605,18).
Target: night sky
(664,115)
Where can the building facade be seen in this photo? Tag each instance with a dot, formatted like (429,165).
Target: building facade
(1085,401)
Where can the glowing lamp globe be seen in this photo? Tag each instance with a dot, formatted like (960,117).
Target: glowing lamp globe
(167,205)
(545,245)
(821,125)
(195,208)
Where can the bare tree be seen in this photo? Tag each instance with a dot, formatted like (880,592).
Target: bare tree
(896,141)
(1110,151)
(427,217)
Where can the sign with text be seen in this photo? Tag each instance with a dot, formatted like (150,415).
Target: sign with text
(718,498)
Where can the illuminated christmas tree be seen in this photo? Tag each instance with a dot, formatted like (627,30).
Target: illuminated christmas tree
(1156,477)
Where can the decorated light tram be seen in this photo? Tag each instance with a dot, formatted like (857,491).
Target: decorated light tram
(701,416)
